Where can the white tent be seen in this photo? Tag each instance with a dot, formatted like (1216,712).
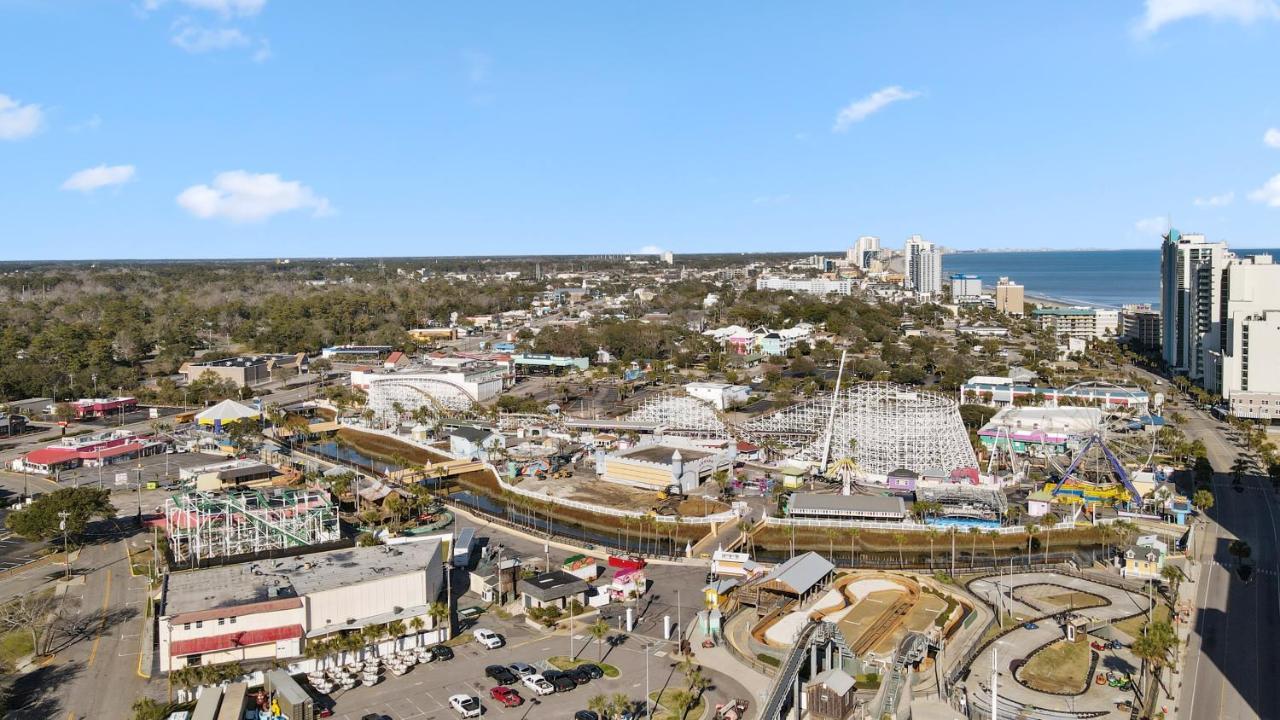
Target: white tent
(227,411)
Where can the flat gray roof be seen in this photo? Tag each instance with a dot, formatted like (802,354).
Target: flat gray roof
(814,502)
(553,585)
(264,580)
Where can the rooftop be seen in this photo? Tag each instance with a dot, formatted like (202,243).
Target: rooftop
(801,573)
(662,454)
(553,585)
(269,580)
(848,503)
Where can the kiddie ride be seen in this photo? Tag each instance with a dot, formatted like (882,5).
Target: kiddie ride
(1115,680)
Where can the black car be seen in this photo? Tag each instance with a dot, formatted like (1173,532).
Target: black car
(591,669)
(580,676)
(560,681)
(500,674)
(585,715)
(442,652)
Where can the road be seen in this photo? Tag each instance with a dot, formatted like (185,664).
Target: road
(1232,654)
(93,673)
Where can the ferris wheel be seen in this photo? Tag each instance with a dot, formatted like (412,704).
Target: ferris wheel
(1112,446)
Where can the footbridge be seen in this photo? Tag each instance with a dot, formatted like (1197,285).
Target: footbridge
(820,641)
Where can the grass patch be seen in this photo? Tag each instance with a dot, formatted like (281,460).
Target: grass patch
(14,645)
(459,640)
(869,681)
(1133,626)
(1004,624)
(564,662)
(951,602)
(768,659)
(665,713)
(389,449)
(1062,667)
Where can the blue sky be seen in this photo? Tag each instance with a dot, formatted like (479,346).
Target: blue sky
(263,128)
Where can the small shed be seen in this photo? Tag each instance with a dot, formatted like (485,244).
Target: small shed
(831,695)
(556,588)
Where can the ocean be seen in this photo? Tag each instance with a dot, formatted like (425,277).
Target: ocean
(1106,278)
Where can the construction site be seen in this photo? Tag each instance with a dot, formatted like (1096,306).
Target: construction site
(203,525)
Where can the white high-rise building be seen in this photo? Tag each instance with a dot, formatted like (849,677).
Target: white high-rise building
(923,266)
(1190,269)
(1245,334)
(863,251)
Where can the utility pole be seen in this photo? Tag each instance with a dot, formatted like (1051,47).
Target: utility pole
(66,551)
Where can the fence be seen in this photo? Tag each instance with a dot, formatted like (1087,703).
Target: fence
(900,526)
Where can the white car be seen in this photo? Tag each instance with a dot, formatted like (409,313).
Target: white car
(488,638)
(538,684)
(466,705)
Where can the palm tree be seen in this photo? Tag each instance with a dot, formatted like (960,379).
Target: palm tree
(1172,575)
(1047,522)
(974,532)
(598,630)
(853,540)
(417,624)
(933,535)
(831,534)
(396,629)
(992,535)
(599,704)
(1030,527)
(900,539)
(439,614)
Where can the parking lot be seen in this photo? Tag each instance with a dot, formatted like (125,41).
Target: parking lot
(425,690)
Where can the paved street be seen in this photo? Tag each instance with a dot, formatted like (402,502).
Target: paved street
(1232,653)
(94,671)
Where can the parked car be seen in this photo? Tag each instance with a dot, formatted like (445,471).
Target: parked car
(538,684)
(505,695)
(580,676)
(1029,626)
(466,705)
(488,638)
(523,669)
(1100,647)
(560,681)
(500,674)
(592,669)
(441,652)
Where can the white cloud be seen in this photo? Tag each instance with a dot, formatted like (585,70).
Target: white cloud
(651,250)
(263,53)
(859,110)
(1272,138)
(1222,200)
(101,176)
(241,196)
(1162,12)
(18,121)
(93,123)
(197,39)
(1152,226)
(1268,194)
(226,8)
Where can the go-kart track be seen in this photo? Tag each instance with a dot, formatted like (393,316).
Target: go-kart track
(1024,594)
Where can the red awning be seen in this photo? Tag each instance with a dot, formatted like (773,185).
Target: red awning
(111,452)
(246,638)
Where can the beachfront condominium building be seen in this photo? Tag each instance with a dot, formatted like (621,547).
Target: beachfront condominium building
(1242,353)
(864,251)
(1190,270)
(810,286)
(1140,324)
(923,266)
(966,289)
(1082,323)
(1010,299)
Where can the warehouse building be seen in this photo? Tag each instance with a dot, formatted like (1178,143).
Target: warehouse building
(269,610)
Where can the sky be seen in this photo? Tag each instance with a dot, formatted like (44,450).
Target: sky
(315,128)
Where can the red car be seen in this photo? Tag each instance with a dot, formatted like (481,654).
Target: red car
(505,695)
